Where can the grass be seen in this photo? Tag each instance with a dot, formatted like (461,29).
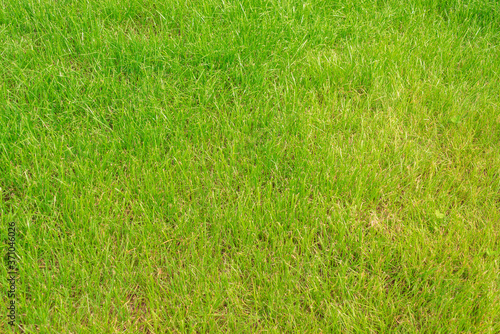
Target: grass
(251,166)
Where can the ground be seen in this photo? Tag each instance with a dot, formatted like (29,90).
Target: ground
(251,166)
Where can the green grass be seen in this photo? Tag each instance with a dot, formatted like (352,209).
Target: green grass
(251,166)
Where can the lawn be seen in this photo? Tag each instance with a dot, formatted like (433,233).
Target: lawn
(251,166)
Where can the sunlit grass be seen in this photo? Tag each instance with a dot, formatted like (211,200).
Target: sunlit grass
(252,166)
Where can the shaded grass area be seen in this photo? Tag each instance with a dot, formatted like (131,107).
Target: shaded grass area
(252,166)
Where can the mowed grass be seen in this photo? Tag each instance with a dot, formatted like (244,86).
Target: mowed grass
(251,166)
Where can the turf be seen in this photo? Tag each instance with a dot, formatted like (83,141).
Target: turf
(251,166)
